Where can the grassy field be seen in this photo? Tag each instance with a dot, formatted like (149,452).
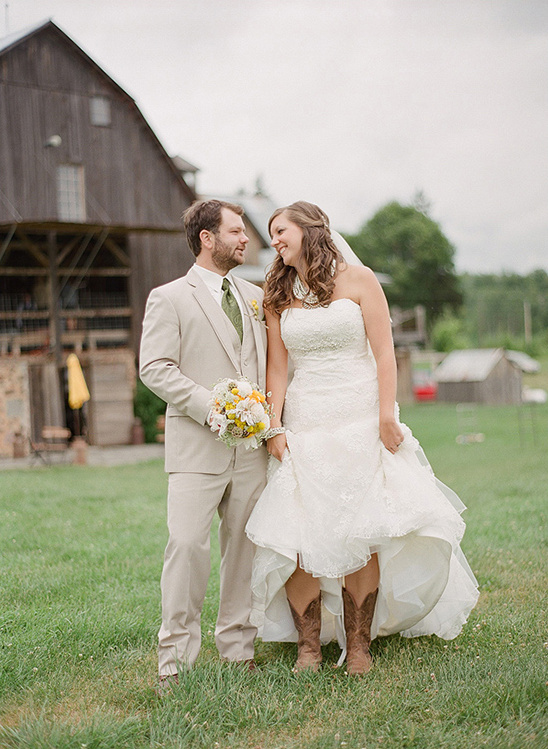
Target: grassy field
(81,554)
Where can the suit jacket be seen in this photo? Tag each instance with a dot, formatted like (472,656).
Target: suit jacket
(188,344)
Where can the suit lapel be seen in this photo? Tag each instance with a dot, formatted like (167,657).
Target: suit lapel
(256,326)
(219,321)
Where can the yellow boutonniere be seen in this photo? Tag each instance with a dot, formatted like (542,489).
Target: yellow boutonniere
(256,312)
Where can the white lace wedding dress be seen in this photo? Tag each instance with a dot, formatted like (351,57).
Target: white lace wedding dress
(339,496)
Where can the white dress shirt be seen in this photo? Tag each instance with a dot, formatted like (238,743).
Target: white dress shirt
(214,282)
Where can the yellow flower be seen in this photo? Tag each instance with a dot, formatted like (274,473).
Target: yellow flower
(256,311)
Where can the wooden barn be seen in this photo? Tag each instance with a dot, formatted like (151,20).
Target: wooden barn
(90,221)
(478,376)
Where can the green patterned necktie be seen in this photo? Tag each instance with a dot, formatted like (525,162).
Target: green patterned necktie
(232,308)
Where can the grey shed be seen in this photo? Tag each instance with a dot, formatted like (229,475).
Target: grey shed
(478,376)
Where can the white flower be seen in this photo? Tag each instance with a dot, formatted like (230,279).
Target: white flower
(244,388)
(217,421)
(250,411)
(237,400)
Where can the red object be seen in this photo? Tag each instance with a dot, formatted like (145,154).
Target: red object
(425,392)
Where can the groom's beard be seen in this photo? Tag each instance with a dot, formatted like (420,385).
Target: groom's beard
(225,257)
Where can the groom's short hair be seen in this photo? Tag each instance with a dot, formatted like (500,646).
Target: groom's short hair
(205,214)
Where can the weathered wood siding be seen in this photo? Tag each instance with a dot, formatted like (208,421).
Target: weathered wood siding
(155,259)
(111,382)
(46,84)
(502,386)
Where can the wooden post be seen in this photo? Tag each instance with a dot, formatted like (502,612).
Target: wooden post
(56,344)
(527,326)
(55,301)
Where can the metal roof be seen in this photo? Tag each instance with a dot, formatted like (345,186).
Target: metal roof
(525,362)
(470,365)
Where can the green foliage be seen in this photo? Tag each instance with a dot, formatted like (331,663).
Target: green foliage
(448,333)
(79,583)
(406,243)
(498,307)
(147,406)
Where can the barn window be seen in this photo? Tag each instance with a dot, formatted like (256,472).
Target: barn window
(71,201)
(99,110)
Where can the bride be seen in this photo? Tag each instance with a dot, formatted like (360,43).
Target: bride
(355,536)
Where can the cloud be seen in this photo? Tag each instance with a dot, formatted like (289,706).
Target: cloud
(348,104)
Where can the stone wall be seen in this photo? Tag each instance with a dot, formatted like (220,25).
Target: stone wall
(14,405)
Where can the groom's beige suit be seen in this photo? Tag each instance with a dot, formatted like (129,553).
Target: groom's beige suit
(188,344)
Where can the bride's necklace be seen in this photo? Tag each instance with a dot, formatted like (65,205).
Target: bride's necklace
(308,299)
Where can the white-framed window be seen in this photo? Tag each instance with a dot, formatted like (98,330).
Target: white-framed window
(99,111)
(71,195)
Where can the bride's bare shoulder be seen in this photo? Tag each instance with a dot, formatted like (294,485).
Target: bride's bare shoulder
(360,274)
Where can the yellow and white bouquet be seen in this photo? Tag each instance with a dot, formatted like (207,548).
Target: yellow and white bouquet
(239,413)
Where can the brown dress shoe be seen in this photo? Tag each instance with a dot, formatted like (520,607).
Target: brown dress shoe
(357,623)
(308,626)
(166,683)
(249,664)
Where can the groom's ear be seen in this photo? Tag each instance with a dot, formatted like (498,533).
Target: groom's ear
(206,239)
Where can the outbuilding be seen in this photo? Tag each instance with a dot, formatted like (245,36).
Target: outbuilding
(479,376)
(90,221)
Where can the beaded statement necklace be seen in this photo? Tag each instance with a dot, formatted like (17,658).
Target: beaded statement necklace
(308,299)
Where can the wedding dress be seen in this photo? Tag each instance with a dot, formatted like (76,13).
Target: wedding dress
(339,496)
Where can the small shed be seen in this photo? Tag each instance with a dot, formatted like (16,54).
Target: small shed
(478,376)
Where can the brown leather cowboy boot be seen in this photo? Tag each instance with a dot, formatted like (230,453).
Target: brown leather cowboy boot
(309,652)
(357,623)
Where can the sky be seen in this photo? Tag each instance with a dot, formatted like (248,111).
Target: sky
(345,103)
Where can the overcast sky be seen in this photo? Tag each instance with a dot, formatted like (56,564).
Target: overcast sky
(345,103)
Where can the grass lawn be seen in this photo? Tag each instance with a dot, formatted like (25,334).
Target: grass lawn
(81,554)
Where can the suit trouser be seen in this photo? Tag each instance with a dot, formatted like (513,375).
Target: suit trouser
(193,499)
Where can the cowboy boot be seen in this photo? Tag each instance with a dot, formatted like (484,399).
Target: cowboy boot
(308,625)
(357,623)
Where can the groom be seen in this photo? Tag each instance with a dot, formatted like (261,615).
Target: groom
(196,330)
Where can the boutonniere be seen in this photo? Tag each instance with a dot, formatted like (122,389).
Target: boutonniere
(256,312)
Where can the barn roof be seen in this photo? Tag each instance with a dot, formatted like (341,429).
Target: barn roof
(12,40)
(470,365)
(184,166)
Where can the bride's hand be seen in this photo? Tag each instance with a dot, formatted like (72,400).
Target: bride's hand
(276,446)
(391,435)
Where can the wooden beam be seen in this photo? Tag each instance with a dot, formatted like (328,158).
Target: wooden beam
(34,250)
(117,251)
(83,271)
(6,242)
(67,249)
(43,314)
(32,272)
(55,320)
(71,228)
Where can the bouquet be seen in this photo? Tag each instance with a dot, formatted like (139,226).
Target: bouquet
(239,413)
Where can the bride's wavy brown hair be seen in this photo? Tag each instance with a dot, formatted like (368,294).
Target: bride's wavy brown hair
(321,259)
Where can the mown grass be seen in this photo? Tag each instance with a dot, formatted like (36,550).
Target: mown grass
(81,555)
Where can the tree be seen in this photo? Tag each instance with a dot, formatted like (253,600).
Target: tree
(404,242)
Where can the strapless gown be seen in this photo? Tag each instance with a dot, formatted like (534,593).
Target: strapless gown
(339,496)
